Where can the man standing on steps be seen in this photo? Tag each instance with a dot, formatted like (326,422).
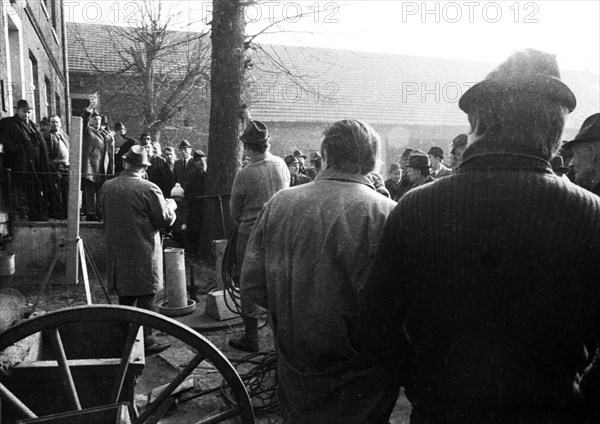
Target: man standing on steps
(253,186)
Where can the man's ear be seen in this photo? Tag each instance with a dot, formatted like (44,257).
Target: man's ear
(593,151)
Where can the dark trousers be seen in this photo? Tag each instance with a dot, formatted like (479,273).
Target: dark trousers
(143,302)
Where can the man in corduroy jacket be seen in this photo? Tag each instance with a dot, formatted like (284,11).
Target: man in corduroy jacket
(470,300)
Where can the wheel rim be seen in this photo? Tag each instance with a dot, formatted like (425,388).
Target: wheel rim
(134,317)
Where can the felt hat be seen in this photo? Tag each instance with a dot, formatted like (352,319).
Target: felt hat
(177,191)
(314,156)
(436,151)
(406,153)
(290,160)
(255,133)
(418,159)
(23,104)
(590,131)
(394,167)
(460,140)
(184,144)
(199,154)
(137,156)
(299,154)
(529,73)
(558,165)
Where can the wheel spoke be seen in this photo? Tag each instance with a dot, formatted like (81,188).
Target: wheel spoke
(229,413)
(170,388)
(61,358)
(8,396)
(131,336)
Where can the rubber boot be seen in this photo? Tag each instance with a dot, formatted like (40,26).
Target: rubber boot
(249,340)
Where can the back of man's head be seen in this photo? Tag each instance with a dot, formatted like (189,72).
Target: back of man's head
(350,146)
(520,107)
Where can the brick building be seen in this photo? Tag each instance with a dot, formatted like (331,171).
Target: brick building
(33,57)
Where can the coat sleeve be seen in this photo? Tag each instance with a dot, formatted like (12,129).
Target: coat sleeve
(253,280)
(160,215)
(236,202)
(385,303)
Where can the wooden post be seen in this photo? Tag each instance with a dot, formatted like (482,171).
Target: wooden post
(74,196)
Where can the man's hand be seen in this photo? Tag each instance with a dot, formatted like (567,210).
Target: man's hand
(171,204)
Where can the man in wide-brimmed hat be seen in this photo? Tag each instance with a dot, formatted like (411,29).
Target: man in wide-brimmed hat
(26,154)
(436,157)
(301,159)
(315,163)
(586,154)
(185,164)
(253,186)
(469,300)
(418,168)
(134,212)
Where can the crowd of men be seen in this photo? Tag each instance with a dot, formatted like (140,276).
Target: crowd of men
(472,284)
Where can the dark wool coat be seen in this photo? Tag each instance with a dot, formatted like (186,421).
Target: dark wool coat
(134,212)
(182,170)
(483,291)
(24,146)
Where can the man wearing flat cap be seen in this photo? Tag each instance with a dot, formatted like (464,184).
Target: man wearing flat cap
(134,212)
(436,157)
(586,154)
(293,165)
(469,300)
(405,183)
(26,154)
(253,186)
(392,184)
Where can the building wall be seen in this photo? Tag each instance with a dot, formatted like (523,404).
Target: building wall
(119,102)
(33,56)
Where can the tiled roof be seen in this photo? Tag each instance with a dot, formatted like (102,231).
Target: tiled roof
(379,88)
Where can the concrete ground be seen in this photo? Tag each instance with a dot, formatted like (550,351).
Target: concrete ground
(160,369)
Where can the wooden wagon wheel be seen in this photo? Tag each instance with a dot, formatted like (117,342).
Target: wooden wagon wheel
(130,319)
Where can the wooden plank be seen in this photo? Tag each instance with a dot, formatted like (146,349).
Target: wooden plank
(75,137)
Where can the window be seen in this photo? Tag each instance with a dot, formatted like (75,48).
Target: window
(48,96)
(57,104)
(31,90)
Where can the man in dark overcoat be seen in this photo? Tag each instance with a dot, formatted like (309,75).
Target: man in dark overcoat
(469,300)
(135,211)
(185,165)
(26,154)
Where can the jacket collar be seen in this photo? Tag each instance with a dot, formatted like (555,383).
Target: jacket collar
(506,161)
(335,175)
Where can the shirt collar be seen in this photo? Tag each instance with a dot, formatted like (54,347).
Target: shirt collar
(335,175)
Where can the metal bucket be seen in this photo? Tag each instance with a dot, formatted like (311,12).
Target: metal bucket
(7,263)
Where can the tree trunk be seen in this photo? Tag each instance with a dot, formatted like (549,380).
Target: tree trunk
(224,147)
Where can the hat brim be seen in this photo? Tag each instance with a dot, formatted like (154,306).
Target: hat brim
(494,90)
(568,144)
(147,163)
(262,140)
